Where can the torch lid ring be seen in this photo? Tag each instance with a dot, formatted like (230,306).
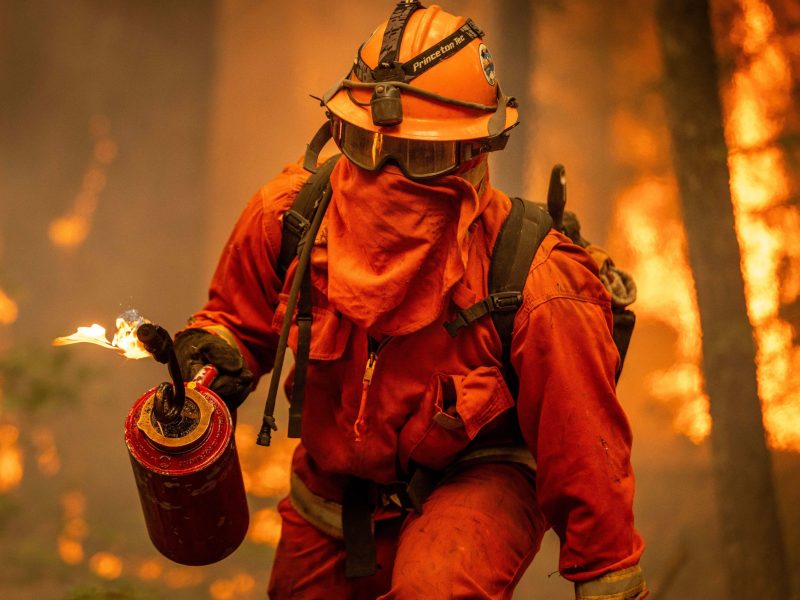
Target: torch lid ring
(190,430)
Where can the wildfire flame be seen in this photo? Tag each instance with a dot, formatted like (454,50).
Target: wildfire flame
(656,241)
(124,341)
(757,100)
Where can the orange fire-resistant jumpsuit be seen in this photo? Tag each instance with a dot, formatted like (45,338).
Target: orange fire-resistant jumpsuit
(393,261)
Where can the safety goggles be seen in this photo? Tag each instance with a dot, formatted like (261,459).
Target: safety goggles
(417,159)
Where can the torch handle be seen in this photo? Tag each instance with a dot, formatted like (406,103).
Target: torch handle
(206,375)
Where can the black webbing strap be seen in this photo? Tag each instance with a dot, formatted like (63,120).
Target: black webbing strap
(303,319)
(359,538)
(624,322)
(315,146)
(520,236)
(297,219)
(516,245)
(296,222)
(444,49)
(295,225)
(393,35)
(320,194)
(493,303)
(423,61)
(422,482)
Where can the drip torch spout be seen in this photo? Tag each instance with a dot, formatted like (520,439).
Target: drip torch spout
(557,196)
(169,399)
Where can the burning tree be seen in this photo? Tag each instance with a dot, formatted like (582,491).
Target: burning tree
(750,528)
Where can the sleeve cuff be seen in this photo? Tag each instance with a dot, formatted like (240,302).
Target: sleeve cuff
(627,584)
(224,333)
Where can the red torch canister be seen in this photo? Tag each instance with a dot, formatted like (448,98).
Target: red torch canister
(188,475)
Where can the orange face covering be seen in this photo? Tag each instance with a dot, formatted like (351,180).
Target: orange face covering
(395,247)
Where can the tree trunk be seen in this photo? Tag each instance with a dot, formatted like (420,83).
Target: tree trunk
(754,555)
(515,68)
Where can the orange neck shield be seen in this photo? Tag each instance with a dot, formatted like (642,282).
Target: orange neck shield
(395,247)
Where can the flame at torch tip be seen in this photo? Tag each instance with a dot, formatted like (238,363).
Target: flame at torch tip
(125,341)
(94,334)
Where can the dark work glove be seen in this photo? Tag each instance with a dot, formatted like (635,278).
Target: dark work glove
(197,347)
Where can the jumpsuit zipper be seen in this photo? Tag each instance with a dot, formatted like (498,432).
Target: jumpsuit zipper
(373,348)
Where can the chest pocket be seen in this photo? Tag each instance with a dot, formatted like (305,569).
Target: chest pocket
(329,331)
(455,409)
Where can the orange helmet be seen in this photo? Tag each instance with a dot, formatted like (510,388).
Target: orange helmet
(423,78)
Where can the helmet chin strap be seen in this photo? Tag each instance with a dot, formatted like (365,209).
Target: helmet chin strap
(315,146)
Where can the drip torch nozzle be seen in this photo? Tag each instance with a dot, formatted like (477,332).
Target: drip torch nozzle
(169,400)
(557,196)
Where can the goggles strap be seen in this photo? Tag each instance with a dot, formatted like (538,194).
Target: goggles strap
(315,146)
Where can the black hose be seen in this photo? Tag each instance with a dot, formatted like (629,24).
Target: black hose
(167,404)
(268,425)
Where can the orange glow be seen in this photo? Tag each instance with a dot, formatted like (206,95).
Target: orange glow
(239,586)
(11,470)
(106,565)
(125,341)
(150,569)
(265,527)
(70,551)
(265,474)
(182,577)
(8,309)
(74,530)
(757,100)
(71,229)
(47,457)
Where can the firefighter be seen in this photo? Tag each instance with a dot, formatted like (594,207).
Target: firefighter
(421,471)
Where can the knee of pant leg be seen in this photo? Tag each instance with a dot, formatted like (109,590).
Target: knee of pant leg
(477,534)
(437,578)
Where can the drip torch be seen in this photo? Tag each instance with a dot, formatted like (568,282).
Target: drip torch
(182,450)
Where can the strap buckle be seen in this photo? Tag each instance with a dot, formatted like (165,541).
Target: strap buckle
(504,301)
(296,222)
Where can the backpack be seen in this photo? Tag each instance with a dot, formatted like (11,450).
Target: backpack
(517,242)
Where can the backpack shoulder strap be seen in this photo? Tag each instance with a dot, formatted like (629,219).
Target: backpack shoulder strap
(516,245)
(520,236)
(297,219)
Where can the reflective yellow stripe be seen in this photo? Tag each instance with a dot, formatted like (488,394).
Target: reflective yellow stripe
(224,333)
(514,454)
(323,514)
(627,584)
(326,515)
